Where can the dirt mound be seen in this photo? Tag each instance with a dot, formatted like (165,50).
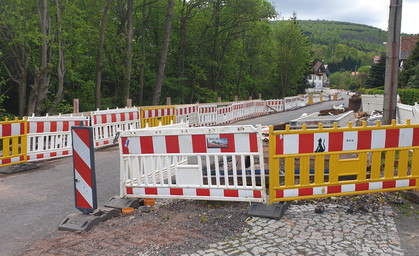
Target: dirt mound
(167,229)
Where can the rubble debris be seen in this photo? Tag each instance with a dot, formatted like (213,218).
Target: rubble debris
(370,119)
(355,102)
(336,110)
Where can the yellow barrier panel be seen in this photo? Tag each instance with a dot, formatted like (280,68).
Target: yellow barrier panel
(155,115)
(13,140)
(310,99)
(314,163)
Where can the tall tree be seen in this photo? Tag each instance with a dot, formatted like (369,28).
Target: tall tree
(98,79)
(60,63)
(128,54)
(15,37)
(42,73)
(293,53)
(376,74)
(163,56)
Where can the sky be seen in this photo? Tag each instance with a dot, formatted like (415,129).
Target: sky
(369,12)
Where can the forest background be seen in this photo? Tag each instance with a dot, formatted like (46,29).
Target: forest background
(104,52)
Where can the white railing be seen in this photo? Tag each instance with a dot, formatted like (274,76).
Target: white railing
(217,163)
(106,124)
(50,136)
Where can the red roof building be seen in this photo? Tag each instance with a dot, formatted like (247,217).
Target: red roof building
(407,45)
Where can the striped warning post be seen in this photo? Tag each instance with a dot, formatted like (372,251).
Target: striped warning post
(84,169)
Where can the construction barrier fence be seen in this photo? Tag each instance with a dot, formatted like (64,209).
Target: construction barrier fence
(217,163)
(155,115)
(107,123)
(13,142)
(49,136)
(187,114)
(342,161)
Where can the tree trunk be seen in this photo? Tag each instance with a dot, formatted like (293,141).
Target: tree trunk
(60,65)
(98,78)
(182,46)
(240,78)
(143,57)
(128,57)
(42,74)
(214,46)
(163,57)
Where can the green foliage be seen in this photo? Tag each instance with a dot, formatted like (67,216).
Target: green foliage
(225,48)
(332,41)
(364,69)
(340,80)
(374,91)
(294,61)
(409,77)
(409,96)
(205,95)
(377,73)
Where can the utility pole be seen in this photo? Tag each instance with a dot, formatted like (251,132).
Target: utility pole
(392,61)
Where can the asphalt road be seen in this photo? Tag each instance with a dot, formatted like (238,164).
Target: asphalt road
(34,203)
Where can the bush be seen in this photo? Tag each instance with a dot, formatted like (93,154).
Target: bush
(408,96)
(374,91)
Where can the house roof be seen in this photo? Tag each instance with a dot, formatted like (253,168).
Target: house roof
(317,67)
(407,45)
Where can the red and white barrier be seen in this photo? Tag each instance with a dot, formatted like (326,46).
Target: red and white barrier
(12,129)
(367,186)
(50,137)
(225,115)
(316,98)
(259,107)
(217,163)
(290,102)
(106,123)
(347,141)
(207,115)
(187,113)
(302,100)
(278,105)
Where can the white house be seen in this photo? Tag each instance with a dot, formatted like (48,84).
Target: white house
(320,76)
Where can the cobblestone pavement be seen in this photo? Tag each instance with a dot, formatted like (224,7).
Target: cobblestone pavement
(303,232)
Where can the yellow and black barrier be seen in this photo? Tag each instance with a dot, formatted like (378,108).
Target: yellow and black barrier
(315,163)
(156,115)
(13,140)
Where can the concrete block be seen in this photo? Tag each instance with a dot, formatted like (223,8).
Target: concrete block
(84,222)
(412,195)
(272,211)
(121,203)
(18,168)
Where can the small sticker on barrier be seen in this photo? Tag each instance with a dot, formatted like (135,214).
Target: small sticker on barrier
(126,143)
(217,142)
